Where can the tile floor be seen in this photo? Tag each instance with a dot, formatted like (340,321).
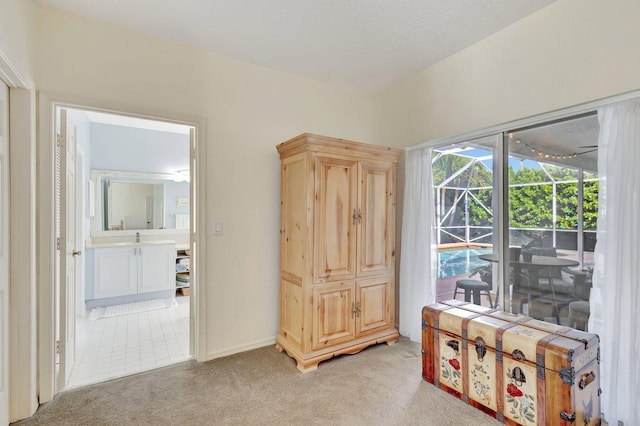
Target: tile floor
(107,348)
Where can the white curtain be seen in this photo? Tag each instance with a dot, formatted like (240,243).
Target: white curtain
(615,299)
(417,256)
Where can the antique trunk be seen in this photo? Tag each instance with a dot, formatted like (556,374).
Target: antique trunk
(444,328)
(517,369)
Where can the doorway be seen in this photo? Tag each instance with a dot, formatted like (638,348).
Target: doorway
(124,224)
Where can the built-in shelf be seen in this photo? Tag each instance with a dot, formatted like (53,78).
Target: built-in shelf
(183,267)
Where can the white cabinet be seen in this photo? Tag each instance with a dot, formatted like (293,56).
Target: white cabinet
(115,272)
(157,268)
(136,268)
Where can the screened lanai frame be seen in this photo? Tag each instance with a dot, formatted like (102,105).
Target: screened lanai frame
(465,196)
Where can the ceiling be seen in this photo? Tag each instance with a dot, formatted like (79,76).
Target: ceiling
(365,45)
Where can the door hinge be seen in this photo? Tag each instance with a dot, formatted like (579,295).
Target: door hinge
(58,243)
(57,346)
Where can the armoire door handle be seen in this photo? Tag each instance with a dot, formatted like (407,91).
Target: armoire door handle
(357,216)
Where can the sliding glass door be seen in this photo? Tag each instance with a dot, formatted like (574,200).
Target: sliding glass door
(533,191)
(464,187)
(552,212)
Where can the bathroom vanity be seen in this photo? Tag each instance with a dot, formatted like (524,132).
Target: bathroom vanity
(133,268)
(138,223)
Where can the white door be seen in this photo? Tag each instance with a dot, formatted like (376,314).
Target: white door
(4,254)
(68,248)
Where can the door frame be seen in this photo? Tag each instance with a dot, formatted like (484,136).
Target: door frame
(22,247)
(5,270)
(47,239)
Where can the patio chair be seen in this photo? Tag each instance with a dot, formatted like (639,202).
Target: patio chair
(579,314)
(560,294)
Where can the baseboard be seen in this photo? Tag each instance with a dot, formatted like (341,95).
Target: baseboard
(241,348)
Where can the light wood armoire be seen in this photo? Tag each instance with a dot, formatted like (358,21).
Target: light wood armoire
(337,247)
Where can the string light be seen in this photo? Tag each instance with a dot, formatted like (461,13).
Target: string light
(544,154)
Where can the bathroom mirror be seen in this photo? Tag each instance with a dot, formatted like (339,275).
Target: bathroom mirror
(125,201)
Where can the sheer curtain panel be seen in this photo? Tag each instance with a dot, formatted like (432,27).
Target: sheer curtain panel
(418,252)
(615,301)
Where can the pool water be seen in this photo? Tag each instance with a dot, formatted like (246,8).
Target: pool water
(459,261)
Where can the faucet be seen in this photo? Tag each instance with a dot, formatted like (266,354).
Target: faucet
(137,237)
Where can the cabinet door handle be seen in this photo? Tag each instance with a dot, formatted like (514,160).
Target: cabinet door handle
(353,310)
(358,309)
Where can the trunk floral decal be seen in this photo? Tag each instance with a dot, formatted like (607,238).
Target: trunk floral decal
(521,405)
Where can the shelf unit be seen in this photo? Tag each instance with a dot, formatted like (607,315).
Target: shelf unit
(183,267)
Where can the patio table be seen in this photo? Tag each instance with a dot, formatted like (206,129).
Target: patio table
(539,262)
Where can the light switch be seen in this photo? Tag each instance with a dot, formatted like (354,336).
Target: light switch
(217,227)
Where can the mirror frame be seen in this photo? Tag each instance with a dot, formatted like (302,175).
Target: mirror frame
(95,201)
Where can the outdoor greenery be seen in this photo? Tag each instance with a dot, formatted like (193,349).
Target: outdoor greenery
(530,196)
(531,206)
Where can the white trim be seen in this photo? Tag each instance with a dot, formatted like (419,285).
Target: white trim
(198,325)
(22,258)
(11,76)
(46,252)
(528,121)
(241,348)
(198,318)
(124,110)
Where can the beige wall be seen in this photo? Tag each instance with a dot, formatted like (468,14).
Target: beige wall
(248,109)
(18,36)
(570,52)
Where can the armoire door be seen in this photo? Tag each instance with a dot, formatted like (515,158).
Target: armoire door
(376,229)
(335,222)
(374,299)
(333,314)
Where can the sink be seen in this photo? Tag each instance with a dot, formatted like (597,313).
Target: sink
(128,243)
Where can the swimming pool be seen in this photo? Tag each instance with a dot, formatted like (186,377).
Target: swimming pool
(459,261)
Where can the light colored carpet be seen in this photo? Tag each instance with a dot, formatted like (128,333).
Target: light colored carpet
(130,308)
(381,385)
